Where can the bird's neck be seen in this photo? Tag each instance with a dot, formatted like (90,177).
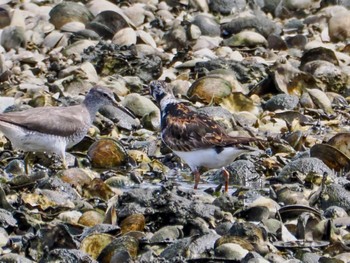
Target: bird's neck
(169,98)
(92,105)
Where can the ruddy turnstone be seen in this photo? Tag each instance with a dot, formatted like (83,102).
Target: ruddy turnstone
(196,138)
(53,129)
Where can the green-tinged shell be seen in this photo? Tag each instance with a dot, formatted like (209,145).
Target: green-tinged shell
(209,89)
(69,12)
(107,153)
(95,243)
(134,222)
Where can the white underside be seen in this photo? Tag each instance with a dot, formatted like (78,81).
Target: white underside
(35,141)
(209,158)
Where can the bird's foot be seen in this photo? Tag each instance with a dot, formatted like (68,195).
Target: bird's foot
(197,177)
(227,178)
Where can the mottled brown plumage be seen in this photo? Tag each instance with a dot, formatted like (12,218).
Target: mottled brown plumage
(199,140)
(184,129)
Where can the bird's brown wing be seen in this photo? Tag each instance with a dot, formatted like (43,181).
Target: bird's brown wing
(184,129)
(50,120)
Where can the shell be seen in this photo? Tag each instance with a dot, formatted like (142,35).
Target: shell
(209,89)
(67,11)
(107,153)
(135,222)
(95,243)
(107,23)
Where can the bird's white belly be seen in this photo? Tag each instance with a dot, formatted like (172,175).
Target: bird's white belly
(209,158)
(33,141)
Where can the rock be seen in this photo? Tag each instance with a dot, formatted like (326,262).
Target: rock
(139,105)
(207,25)
(282,102)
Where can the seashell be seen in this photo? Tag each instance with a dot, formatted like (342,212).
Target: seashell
(291,80)
(238,102)
(339,26)
(55,39)
(290,196)
(275,42)
(98,188)
(73,26)
(194,32)
(167,234)
(297,244)
(107,153)
(91,218)
(78,47)
(135,222)
(341,141)
(176,37)
(139,105)
(297,41)
(137,13)
(15,167)
(13,37)
(5,19)
(18,19)
(98,6)
(71,217)
(247,39)
(121,249)
(146,38)
(151,121)
(290,212)
(95,243)
(107,23)
(209,89)
(331,156)
(296,140)
(76,177)
(125,37)
(119,181)
(139,156)
(318,53)
(67,11)
(321,100)
(231,251)
(206,42)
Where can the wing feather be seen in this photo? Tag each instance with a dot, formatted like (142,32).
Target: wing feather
(184,129)
(51,120)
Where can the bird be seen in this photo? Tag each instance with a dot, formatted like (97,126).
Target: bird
(54,129)
(196,138)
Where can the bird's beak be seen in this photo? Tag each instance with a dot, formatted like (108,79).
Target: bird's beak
(125,110)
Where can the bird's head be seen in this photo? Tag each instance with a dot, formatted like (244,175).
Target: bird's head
(102,95)
(158,90)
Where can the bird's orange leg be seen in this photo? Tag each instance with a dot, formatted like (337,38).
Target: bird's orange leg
(197,177)
(227,178)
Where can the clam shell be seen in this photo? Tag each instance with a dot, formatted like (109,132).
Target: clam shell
(107,23)
(91,218)
(290,212)
(107,153)
(95,243)
(121,249)
(125,37)
(67,11)
(209,89)
(341,141)
(134,222)
(331,156)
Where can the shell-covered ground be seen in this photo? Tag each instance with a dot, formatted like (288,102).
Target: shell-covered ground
(277,70)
